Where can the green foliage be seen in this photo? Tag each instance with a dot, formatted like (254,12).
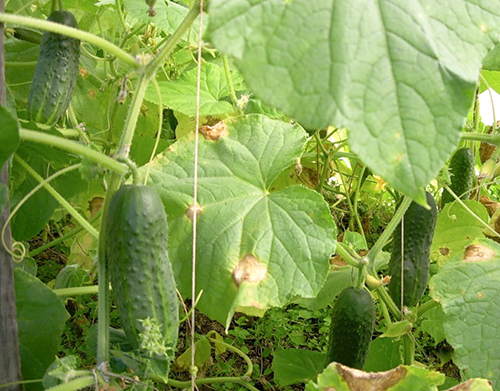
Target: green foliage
(321,56)
(465,287)
(260,248)
(269,194)
(40,318)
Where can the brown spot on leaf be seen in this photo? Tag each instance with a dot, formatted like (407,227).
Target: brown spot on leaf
(467,386)
(370,381)
(249,269)
(95,204)
(490,205)
(480,295)
(444,251)
(214,132)
(478,253)
(91,94)
(194,210)
(83,72)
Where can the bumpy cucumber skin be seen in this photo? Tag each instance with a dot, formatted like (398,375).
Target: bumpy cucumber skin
(139,267)
(419,224)
(353,320)
(462,175)
(55,73)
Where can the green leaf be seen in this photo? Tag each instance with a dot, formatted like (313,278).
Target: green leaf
(255,248)
(169,15)
(468,290)
(401,77)
(292,366)
(384,354)
(40,317)
(202,352)
(70,276)
(355,240)
(492,61)
(180,94)
(493,80)
(336,282)
(456,228)
(31,218)
(402,378)
(432,324)
(397,329)
(9,136)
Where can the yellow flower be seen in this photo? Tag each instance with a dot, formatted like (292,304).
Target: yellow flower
(381,184)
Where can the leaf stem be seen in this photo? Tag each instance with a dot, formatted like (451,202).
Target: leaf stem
(427,306)
(62,238)
(486,137)
(229,81)
(242,380)
(73,147)
(75,384)
(80,290)
(62,201)
(392,307)
(382,240)
(71,32)
(174,38)
(346,256)
(462,204)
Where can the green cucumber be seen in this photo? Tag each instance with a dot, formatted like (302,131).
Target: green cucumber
(462,171)
(416,239)
(55,73)
(353,320)
(141,275)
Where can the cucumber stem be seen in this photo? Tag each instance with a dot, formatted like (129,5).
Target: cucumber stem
(71,32)
(382,240)
(59,198)
(409,350)
(486,137)
(79,290)
(72,147)
(427,306)
(345,254)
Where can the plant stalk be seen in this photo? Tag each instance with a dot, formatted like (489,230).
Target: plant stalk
(71,32)
(73,147)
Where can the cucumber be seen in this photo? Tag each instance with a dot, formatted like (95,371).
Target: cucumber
(462,175)
(55,73)
(419,224)
(143,283)
(353,320)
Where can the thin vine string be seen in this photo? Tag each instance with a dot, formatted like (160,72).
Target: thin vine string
(402,263)
(195,196)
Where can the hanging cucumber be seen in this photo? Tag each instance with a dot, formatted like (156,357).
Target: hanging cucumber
(353,320)
(462,175)
(55,74)
(418,230)
(140,271)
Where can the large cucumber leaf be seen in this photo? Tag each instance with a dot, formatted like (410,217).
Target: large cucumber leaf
(467,288)
(400,75)
(403,378)
(40,317)
(256,248)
